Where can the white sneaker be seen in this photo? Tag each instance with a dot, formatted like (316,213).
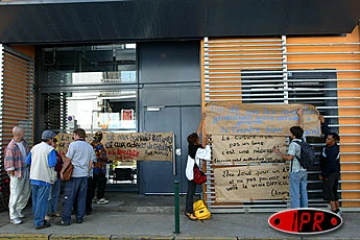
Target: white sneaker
(339,213)
(21,215)
(102,201)
(15,221)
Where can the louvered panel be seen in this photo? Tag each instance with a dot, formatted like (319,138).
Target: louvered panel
(323,71)
(17,82)
(55,111)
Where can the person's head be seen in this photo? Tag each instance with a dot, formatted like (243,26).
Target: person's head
(18,133)
(98,136)
(332,139)
(79,134)
(48,136)
(296,132)
(54,142)
(193,138)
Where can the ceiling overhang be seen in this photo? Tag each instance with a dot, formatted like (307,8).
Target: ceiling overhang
(66,22)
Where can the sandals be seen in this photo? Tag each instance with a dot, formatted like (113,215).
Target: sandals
(191,216)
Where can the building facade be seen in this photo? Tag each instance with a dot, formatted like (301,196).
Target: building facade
(142,66)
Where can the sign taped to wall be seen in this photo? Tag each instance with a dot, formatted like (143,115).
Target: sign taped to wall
(243,149)
(129,146)
(237,184)
(254,119)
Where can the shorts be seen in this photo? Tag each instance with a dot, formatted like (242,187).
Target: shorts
(330,186)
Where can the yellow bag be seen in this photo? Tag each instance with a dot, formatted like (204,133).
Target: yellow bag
(201,212)
(199,204)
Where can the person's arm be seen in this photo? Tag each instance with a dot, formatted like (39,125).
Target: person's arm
(201,123)
(52,161)
(9,162)
(92,160)
(325,129)
(67,161)
(301,117)
(28,159)
(287,157)
(204,153)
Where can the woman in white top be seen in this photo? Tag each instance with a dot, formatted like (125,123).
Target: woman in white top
(196,151)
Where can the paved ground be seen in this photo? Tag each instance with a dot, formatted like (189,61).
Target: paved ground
(135,215)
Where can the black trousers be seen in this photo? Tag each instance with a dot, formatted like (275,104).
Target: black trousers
(99,183)
(190,197)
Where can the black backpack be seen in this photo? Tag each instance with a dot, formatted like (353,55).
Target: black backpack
(307,154)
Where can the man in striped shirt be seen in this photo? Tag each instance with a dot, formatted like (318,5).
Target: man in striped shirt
(15,155)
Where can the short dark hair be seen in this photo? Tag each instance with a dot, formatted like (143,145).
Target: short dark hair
(193,138)
(80,132)
(297,131)
(335,136)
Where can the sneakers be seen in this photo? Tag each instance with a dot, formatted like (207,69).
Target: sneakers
(102,201)
(62,223)
(21,215)
(94,200)
(15,221)
(339,212)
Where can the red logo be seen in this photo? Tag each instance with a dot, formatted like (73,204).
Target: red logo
(305,221)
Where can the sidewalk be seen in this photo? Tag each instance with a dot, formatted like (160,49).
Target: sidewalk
(131,216)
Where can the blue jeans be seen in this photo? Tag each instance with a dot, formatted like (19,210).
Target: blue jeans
(40,200)
(54,196)
(298,191)
(74,187)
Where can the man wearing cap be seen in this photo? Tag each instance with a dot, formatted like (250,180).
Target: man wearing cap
(14,161)
(42,160)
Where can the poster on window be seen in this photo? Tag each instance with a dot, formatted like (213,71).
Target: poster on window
(129,146)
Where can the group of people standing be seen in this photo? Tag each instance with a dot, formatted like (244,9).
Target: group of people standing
(39,172)
(329,165)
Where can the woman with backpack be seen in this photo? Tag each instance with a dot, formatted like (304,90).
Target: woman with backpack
(196,151)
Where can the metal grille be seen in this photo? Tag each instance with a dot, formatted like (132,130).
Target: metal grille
(17,100)
(55,114)
(323,71)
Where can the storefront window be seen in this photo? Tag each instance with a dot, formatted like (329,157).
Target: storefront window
(94,88)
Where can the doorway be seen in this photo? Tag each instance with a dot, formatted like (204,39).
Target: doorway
(158,177)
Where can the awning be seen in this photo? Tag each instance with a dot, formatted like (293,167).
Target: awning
(64,22)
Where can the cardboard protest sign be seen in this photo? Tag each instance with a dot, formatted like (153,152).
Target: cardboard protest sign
(243,149)
(129,146)
(237,184)
(259,119)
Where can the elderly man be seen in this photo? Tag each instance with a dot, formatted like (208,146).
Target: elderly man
(42,159)
(82,156)
(15,154)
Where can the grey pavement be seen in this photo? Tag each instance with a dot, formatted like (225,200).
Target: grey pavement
(137,215)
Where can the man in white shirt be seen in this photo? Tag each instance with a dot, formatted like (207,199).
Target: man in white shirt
(298,174)
(82,156)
